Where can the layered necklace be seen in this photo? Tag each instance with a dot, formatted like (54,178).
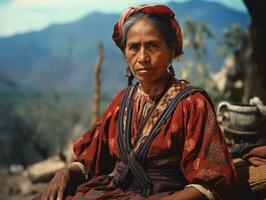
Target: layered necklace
(151,106)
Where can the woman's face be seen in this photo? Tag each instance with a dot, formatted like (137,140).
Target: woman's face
(147,52)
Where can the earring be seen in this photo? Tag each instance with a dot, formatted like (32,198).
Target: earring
(171,70)
(129,76)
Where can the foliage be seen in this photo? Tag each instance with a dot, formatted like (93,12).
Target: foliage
(232,39)
(38,125)
(195,35)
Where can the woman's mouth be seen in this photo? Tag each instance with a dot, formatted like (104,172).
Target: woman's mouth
(143,69)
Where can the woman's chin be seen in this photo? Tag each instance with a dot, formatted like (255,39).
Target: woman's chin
(145,78)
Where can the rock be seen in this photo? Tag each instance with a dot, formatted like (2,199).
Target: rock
(43,171)
(16,169)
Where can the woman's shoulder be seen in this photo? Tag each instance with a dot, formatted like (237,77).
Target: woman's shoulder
(117,98)
(119,94)
(198,98)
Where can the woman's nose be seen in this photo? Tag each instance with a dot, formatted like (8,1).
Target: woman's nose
(144,56)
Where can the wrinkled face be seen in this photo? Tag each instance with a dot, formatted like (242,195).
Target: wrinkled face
(146,52)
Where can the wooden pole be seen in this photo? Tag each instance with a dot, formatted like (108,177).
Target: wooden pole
(96,98)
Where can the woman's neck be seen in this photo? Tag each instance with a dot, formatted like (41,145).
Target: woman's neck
(155,88)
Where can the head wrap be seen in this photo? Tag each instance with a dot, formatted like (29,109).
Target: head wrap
(149,10)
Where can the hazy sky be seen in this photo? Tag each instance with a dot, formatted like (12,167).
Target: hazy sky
(19,16)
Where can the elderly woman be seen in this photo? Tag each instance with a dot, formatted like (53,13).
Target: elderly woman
(158,138)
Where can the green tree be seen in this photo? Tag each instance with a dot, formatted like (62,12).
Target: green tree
(195,35)
(232,39)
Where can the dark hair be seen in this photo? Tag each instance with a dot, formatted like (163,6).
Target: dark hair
(162,24)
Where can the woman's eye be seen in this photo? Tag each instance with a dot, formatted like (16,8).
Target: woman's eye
(134,47)
(153,46)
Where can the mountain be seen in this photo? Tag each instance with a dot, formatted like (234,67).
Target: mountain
(63,55)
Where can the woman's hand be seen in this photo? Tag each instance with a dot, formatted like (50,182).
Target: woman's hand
(62,183)
(56,188)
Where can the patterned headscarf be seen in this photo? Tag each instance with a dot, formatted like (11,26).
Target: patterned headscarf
(149,10)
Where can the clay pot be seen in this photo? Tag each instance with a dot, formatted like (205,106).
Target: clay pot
(240,117)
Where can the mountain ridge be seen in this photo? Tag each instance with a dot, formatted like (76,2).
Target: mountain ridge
(62,56)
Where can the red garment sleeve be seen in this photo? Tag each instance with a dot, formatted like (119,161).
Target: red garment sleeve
(92,149)
(205,159)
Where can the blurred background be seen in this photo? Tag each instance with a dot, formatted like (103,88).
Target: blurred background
(49,51)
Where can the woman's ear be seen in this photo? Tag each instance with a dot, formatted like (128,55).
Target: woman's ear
(172,54)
